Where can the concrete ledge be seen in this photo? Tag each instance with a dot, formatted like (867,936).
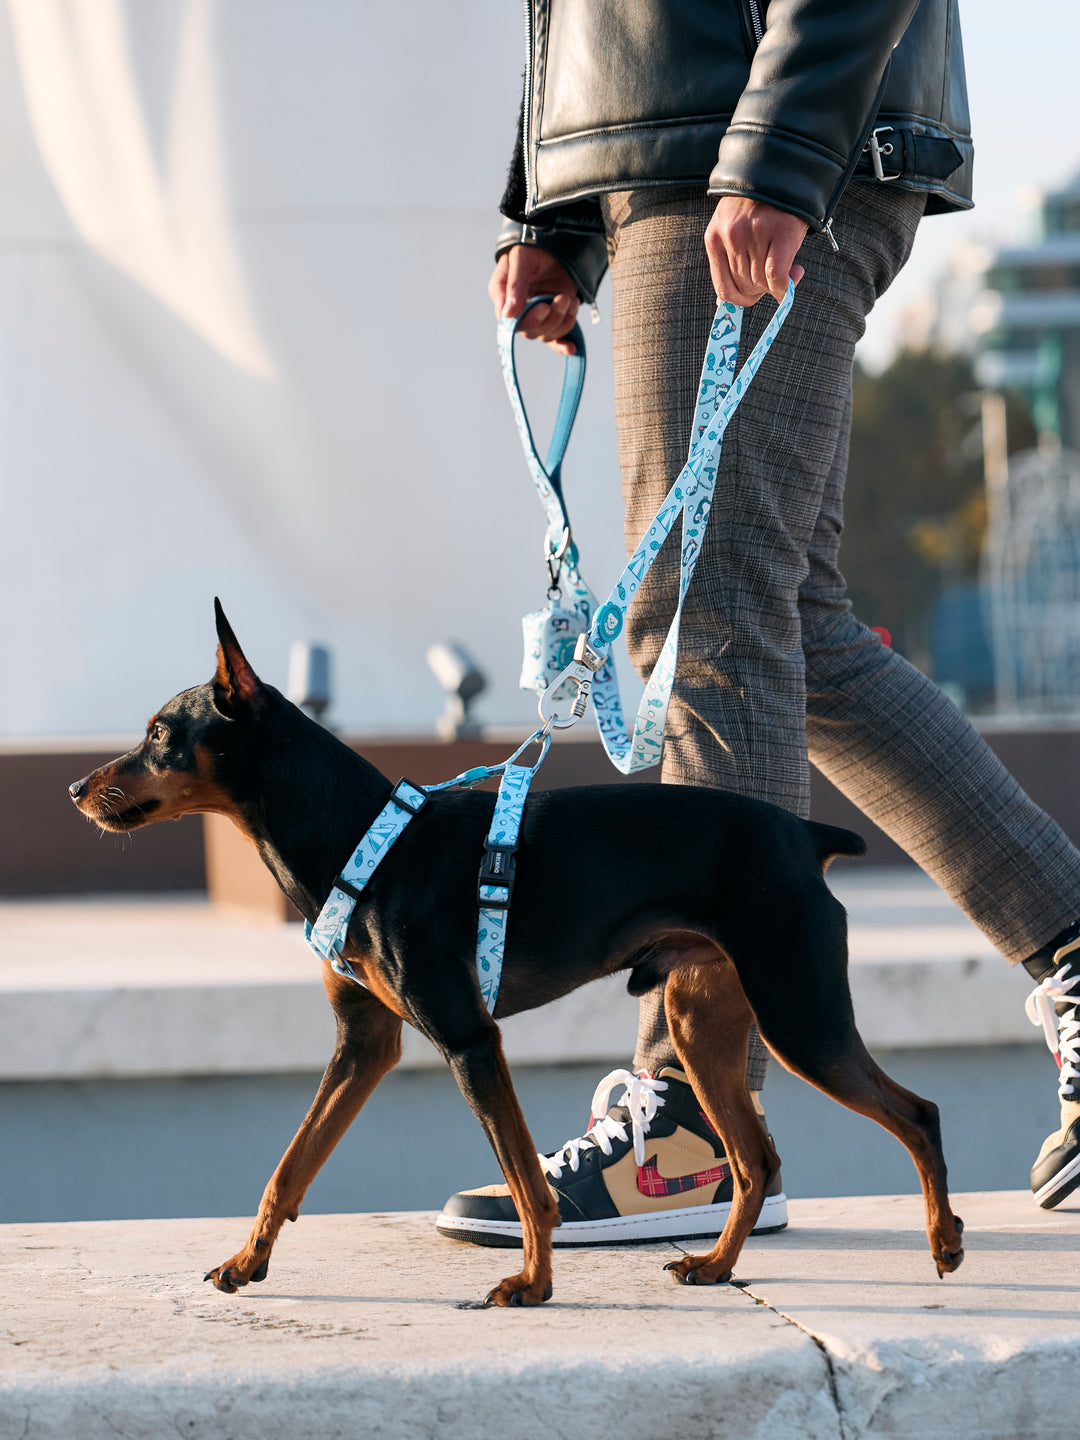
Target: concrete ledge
(844,1331)
(135,987)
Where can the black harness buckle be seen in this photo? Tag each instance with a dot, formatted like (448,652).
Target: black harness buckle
(413,802)
(353,893)
(496,870)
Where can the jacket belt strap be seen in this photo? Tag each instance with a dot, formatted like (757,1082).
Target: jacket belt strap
(893,153)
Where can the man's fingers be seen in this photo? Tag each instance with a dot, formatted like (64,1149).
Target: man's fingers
(497,283)
(752,248)
(779,267)
(550,321)
(517,282)
(727,286)
(525,271)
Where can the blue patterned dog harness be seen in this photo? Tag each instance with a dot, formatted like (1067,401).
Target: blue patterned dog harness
(495,884)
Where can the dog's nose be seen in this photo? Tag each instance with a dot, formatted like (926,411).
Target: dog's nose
(77,790)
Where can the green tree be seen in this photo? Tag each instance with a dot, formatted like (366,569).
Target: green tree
(915,505)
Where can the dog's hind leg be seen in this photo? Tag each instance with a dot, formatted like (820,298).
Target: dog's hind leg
(368,1045)
(798,987)
(710,1020)
(481,1072)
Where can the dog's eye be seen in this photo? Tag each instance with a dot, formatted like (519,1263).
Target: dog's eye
(158,732)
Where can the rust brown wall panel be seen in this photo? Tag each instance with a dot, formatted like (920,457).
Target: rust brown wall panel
(48,848)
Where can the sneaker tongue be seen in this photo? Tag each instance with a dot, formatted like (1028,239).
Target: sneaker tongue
(670,1073)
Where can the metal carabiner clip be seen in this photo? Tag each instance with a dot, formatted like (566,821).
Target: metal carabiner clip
(559,712)
(555,561)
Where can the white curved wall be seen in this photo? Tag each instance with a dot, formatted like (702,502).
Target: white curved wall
(246,350)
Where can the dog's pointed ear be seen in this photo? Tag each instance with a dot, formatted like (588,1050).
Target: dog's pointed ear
(236,686)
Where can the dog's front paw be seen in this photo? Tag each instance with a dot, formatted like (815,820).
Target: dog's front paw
(242,1269)
(696,1270)
(948,1250)
(517,1290)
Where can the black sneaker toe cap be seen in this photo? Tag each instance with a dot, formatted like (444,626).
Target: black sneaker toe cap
(481,1205)
(1063,1161)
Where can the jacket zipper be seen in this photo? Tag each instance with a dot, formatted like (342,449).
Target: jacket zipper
(527,102)
(834,199)
(755,20)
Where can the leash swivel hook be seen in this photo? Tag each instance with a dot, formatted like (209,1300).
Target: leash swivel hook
(561,710)
(554,558)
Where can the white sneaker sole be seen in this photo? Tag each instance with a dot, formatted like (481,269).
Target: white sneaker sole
(1047,1196)
(696,1222)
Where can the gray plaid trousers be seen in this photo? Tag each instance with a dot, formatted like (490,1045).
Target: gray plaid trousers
(774,670)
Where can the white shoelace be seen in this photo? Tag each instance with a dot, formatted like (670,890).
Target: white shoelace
(1062,1032)
(642,1099)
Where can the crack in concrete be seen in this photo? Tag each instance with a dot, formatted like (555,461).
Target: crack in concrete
(830,1369)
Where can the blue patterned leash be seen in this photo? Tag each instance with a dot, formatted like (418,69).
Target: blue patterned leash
(568,681)
(590,670)
(496,880)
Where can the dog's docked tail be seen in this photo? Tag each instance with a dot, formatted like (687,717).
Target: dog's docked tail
(831,841)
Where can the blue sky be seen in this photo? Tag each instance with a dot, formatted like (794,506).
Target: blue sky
(1024,86)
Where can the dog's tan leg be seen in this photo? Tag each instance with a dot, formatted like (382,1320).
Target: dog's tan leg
(368,1045)
(795,978)
(710,1020)
(481,1071)
(861,1085)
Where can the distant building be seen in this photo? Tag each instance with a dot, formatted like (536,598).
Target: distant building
(1027,319)
(1012,642)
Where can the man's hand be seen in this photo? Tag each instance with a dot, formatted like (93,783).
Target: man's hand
(524,271)
(751,248)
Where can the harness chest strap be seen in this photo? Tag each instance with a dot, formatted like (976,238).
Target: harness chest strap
(495,884)
(327,936)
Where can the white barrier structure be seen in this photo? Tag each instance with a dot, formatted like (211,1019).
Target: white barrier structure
(1031,575)
(246,349)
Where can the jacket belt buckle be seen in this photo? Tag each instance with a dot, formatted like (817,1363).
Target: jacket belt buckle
(878,152)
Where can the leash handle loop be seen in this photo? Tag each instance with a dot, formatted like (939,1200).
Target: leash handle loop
(547,473)
(719,394)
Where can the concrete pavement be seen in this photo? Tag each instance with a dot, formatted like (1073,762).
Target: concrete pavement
(843,1331)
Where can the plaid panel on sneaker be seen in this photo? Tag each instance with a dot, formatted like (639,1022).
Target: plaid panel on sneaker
(674,1182)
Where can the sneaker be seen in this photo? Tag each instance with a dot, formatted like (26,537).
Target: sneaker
(1055,1005)
(651,1168)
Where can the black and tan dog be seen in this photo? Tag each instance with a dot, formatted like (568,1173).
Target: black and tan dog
(720,899)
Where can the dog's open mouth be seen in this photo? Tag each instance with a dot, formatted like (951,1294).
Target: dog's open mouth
(128,819)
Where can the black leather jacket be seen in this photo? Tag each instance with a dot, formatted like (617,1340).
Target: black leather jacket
(778,100)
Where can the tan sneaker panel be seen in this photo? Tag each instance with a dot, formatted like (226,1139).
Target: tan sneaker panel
(676,1155)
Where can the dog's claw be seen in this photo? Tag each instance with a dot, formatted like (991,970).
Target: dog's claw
(517,1298)
(225,1280)
(694,1277)
(260,1273)
(950,1260)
